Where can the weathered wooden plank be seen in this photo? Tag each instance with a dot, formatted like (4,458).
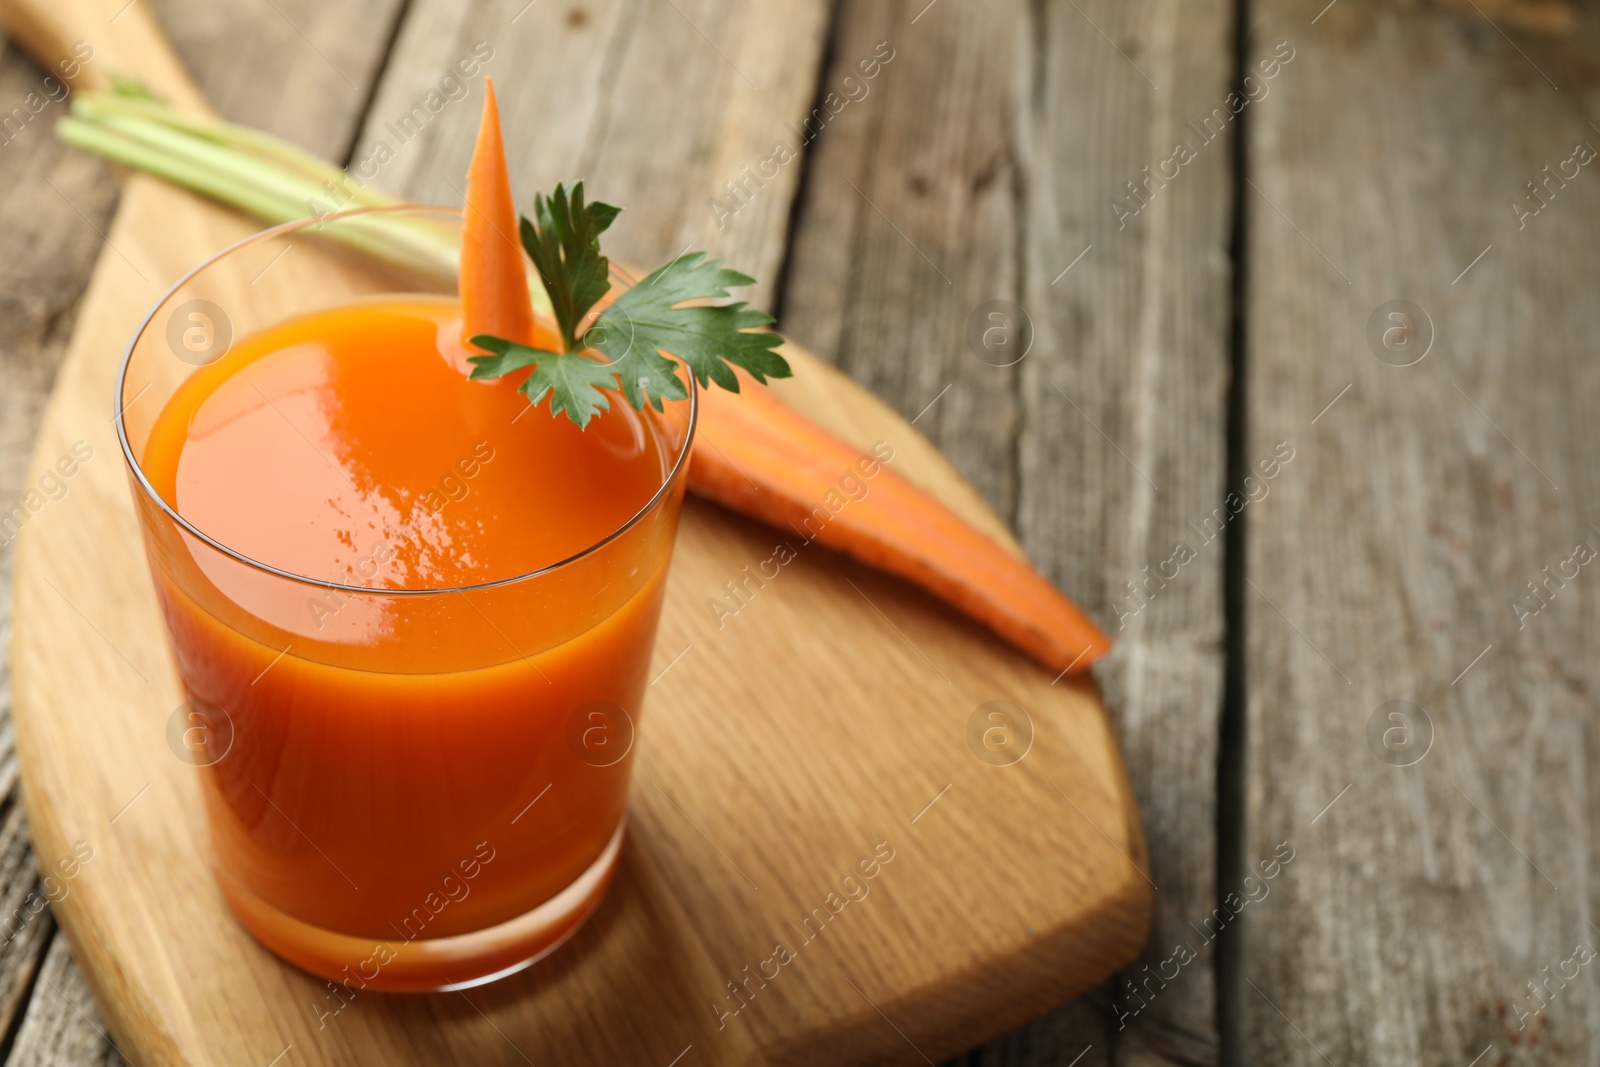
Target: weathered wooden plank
(46,248)
(306,76)
(981,164)
(62,1028)
(911,220)
(1123,436)
(1078,1033)
(1444,850)
(297,68)
(584,91)
(25,923)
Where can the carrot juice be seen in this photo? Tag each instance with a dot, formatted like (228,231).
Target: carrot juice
(413,618)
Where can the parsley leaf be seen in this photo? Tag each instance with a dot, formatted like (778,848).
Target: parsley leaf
(646,320)
(646,375)
(573,381)
(508,356)
(564,245)
(643,322)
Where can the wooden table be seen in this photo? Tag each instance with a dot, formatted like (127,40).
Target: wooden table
(1359,735)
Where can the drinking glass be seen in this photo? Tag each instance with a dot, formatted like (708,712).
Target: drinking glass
(384,809)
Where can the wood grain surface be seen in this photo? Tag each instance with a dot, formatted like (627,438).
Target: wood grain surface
(1439,874)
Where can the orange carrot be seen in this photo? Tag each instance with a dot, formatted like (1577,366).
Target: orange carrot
(757,456)
(494,283)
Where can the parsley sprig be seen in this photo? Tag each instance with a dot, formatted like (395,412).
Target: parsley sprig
(622,348)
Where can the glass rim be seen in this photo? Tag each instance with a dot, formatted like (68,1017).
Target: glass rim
(149,490)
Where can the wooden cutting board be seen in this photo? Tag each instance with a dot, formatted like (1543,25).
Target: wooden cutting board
(838,716)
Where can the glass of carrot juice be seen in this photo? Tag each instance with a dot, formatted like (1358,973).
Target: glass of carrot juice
(412,616)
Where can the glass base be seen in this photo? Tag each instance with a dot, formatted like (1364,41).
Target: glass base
(436,964)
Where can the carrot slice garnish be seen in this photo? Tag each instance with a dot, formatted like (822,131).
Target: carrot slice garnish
(494,281)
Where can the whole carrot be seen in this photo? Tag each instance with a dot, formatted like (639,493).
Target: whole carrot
(757,456)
